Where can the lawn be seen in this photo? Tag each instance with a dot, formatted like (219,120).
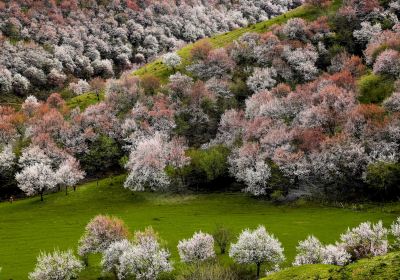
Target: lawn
(29,226)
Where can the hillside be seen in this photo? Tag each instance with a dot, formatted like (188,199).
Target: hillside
(283,135)
(376,268)
(158,69)
(29,226)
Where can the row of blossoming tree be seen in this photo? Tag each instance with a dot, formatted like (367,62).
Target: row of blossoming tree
(145,257)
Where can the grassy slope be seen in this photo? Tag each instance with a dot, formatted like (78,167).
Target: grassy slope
(28,226)
(158,69)
(385,267)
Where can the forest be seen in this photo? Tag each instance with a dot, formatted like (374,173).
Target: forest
(287,103)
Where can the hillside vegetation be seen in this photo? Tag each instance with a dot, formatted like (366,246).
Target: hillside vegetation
(376,268)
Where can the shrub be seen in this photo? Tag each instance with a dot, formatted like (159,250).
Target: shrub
(309,251)
(366,240)
(57,265)
(395,231)
(222,237)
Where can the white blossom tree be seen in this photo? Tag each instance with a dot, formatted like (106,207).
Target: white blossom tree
(36,179)
(172,60)
(367,31)
(248,166)
(148,161)
(56,265)
(145,260)
(395,231)
(7,159)
(365,240)
(311,251)
(308,251)
(197,249)
(262,79)
(392,104)
(69,173)
(257,247)
(335,254)
(111,256)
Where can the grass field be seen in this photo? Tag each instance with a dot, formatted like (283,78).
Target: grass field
(29,226)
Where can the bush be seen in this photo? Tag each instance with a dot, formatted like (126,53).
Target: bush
(206,166)
(222,237)
(384,178)
(374,88)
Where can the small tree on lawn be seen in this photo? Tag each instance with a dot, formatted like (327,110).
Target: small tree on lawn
(56,265)
(69,174)
(197,249)
(36,179)
(100,233)
(257,247)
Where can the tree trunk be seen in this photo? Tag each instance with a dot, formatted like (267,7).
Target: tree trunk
(258,270)
(41,196)
(66,190)
(74,188)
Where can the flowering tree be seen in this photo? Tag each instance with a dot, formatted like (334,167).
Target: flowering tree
(100,232)
(36,179)
(197,249)
(311,251)
(56,265)
(7,159)
(308,251)
(395,231)
(145,260)
(262,79)
(80,87)
(365,240)
(257,247)
(335,254)
(248,166)
(388,62)
(148,161)
(367,31)
(172,60)
(295,29)
(392,104)
(111,256)
(302,61)
(69,173)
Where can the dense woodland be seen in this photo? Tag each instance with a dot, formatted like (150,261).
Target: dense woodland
(305,109)
(49,44)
